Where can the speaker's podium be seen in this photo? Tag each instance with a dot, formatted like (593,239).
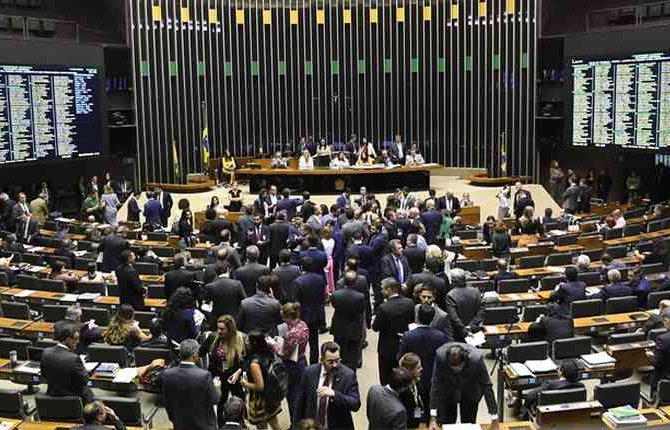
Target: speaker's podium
(195,183)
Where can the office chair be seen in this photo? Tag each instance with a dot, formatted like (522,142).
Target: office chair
(573,347)
(12,404)
(144,356)
(27,282)
(520,352)
(86,245)
(653,299)
(587,308)
(643,247)
(489,264)
(619,251)
(590,278)
(468,265)
(618,394)
(129,411)
(91,287)
(4,279)
(59,408)
(556,397)
(8,344)
(531,261)
(632,230)
(156,291)
(82,263)
(166,252)
(654,333)
(52,285)
(594,254)
(550,282)
(53,313)
(113,290)
(613,233)
(33,259)
(500,315)
(649,269)
(563,259)
(147,268)
(533,312)
(15,310)
(144,318)
(104,353)
(619,305)
(157,236)
(621,338)
(99,315)
(198,253)
(507,286)
(566,239)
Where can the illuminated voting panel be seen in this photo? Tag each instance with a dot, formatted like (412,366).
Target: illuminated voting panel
(49,112)
(622,102)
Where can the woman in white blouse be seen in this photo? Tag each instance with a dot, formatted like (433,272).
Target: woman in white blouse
(339,162)
(306,161)
(328,245)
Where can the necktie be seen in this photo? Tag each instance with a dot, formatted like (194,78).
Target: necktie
(399,271)
(322,406)
(258,233)
(25,208)
(25,231)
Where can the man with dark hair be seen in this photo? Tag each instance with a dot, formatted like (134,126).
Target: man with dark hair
(385,410)
(251,271)
(556,323)
(111,247)
(226,294)
(310,292)
(189,391)
(179,277)
(258,234)
(344,198)
(261,311)
(567,292)
(460,378)
(131,291)
(392,320)
(288,204)
(287,273)
(165,201)
(427,277)
(416,257)
(279,233)
(431,219)
(319,257)
(134,210)
(348,321)
(95,416)
(661,355)
(61,366)
(464,305)
(152,212)
(568,379)
(328,391)
(502,273)
(233,256)
(394,264)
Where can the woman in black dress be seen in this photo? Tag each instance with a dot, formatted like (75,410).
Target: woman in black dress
(235,198)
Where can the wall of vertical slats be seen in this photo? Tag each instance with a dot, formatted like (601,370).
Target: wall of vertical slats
(455,77)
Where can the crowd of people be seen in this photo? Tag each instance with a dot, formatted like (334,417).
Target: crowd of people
(244,321)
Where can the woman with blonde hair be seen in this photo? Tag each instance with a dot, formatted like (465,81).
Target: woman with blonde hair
(124,330)
(225,353)
(414,399)
(295,339)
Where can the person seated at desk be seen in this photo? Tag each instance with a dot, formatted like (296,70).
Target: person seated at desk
(568,375)
(386,159)
(97,416)
(609,263)
(124,330)
(278,161)
(658,254)
(92,275)
(567,292)
(655,321)
(228,166)
(414,158)
(69,279)
(364,156)
(615,288)
(339,162)
(503,273)
(583,263)
(661,354)
(619,220)
(548,217)
(306,161)
(556,323)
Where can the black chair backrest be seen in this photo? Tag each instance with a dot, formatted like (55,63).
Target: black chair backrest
(144,318)
(59,408)
(467,234)
(566,239)
(468,265)
(156,291)
(618,394)
(653,299)
(144,356)
(51,259)
(619,338)
(27,282)
(619,251)
(500,315)
(619,305)
(157,236)
(550,282)
(587,308)
(100,316)
(91,287)
(489,264)
(555,397)
(85,245)
(594,254)
(104,353)
(521,285)
(147,268)
(11,403)
(53,285)
(164,251)
(532,312)
(129,410)
(531,261)
(613,233)
(46,343)
(35,353)
(34,259)
(82,263)
(654,333)
(559,259)
(53,313)
(655,225)
(8,344)
(663,392)
(4,279)
(590,278)
(113,290)
(572,347)
(645,246)
(198,253)
(649,269)
(632,230)
(19,311)
(520,352)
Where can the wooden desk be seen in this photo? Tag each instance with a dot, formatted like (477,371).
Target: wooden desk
(114,301)
(518,298)
(71,236)
(39,329)
(149,243)
(511,425)
(13,325)
(623,240)
(147,279)
(630,355)
(567,413)
(568,248)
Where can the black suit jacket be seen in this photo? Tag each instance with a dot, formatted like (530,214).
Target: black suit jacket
(432,219)
(424,341)
(310,292)
(65,373)
(167,204)
(389,267)
(416,257)
(661,359)
(438,285)
(111,247)
(391,321)
(178,278)
(349,316)
(287,274)
(279,232)
(189,396)
(248,275)
(226,295)
(33,229)
(346,400)
(134,210)
(131,291)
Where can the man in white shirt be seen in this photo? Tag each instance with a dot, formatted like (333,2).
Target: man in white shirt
(619,220)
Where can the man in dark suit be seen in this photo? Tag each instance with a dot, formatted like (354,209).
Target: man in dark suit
(397,151)
(189,392)
(310,292)
(451,204)
(464,305)
(394,264)
(428,278)
(585,194)
(343,199)
(252,271)
(391,321)
(385,410)
(134,210)
(27,228)
(502,273)
(287,273)
(362,285)
(279,232)
(319,257)
(567,292)
(165,201)
(233,256)
(179,277)
(112,246)
(288,204)
(615,288)
(261,311)
(522,198)
(416,257)
(226,294)
(569,379)
(152,211)
(61,366)
(328,391)
(348,320)
(661,358)
(258,234)
(96,415)
(431,219)
(556,323)
(460,377)
(131,291)
(213,270)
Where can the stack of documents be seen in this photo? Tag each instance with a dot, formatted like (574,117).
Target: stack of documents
(599,360)
(624,416)
(541,366)
(520,370)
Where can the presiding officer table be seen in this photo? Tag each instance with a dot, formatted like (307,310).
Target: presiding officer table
(330,181)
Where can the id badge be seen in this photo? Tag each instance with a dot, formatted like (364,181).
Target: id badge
(418,413)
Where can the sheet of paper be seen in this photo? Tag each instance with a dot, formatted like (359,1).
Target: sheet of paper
(125,375)
(541,366)
(476,339)
(90,366)
(69,298)
(24,293)
(492,329)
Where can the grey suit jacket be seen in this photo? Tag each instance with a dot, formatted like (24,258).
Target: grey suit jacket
(261,312)
(385,410)
(190,397)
